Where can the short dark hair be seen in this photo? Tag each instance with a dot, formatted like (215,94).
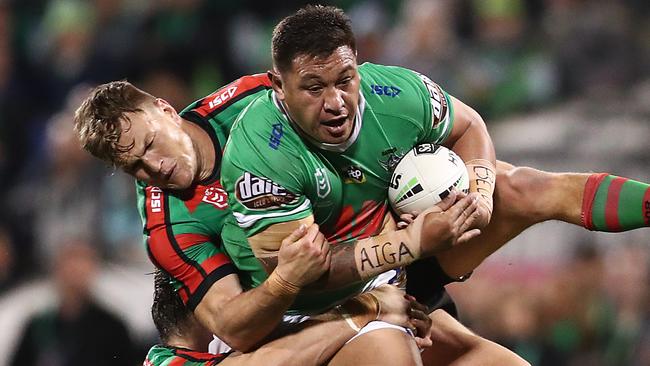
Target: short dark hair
(314,30)
(98,120)
(170,315)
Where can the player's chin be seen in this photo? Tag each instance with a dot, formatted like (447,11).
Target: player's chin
(178,182)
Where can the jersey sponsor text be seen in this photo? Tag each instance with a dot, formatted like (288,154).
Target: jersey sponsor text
(258,193)
(222,97)
(156,199)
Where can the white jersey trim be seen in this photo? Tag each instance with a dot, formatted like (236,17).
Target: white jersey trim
(246,221)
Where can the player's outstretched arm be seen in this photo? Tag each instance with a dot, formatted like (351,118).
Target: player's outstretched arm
(432,231)
(243,319)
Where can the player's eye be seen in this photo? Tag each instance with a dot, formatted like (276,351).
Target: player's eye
(148,145)
(345,81)
(315,89)
(130,168)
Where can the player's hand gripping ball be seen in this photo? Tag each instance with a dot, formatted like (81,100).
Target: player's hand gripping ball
(424,177)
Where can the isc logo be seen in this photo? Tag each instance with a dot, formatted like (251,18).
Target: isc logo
(389,91)
(156,199)
(276,135)
(220,98)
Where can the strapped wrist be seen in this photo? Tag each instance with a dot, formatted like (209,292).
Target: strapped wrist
(278,286)
(482,179)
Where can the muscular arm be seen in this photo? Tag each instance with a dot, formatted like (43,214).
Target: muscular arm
(242,319)
(351,262)
(308,346)
(470,139)
(362,259)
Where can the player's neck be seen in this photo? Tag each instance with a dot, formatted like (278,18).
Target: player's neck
(191,336)
(204,148)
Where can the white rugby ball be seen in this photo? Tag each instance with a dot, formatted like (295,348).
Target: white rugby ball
(424,177)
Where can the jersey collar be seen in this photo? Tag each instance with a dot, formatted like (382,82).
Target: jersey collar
(338,148)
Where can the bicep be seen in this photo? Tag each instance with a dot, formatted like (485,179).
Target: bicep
(464,117)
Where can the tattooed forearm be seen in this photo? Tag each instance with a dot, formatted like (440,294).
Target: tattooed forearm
(343,268)
(269,263)
(384,254)
(359,260)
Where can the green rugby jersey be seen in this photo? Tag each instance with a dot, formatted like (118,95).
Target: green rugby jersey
(172,356)
(183,229)
(274,173)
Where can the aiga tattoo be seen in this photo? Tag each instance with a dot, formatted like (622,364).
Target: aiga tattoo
(383,254)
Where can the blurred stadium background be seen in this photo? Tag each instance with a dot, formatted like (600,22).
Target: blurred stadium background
(562,85)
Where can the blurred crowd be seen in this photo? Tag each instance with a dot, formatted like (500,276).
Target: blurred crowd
(590,308)
(502,57)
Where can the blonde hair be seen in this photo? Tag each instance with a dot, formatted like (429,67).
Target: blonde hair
(98,120)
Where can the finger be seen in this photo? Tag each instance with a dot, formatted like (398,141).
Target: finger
(420,328)
(471,220)
(468,235)
(421,321)
(324,247)
(312,232)
(469,215)
(402,225)
(295,235)
(460,206)
(319,241)
(328,260)
(406,217)
(448,201)
(416,305)
(423,342)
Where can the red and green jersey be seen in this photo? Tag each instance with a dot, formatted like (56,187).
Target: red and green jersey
(183,229)
(172,356)
(273,173)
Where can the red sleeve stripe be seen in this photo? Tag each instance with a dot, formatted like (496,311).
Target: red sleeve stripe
(611,207)
(211,264)
(591,187)
(225,96)
(167,254)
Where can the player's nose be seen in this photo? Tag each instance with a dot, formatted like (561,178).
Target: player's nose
(333,101)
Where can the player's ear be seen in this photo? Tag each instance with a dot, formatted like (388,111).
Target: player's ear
(276,83)
(167,108)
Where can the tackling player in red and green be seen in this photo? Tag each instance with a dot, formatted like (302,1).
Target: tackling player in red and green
(183,337)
